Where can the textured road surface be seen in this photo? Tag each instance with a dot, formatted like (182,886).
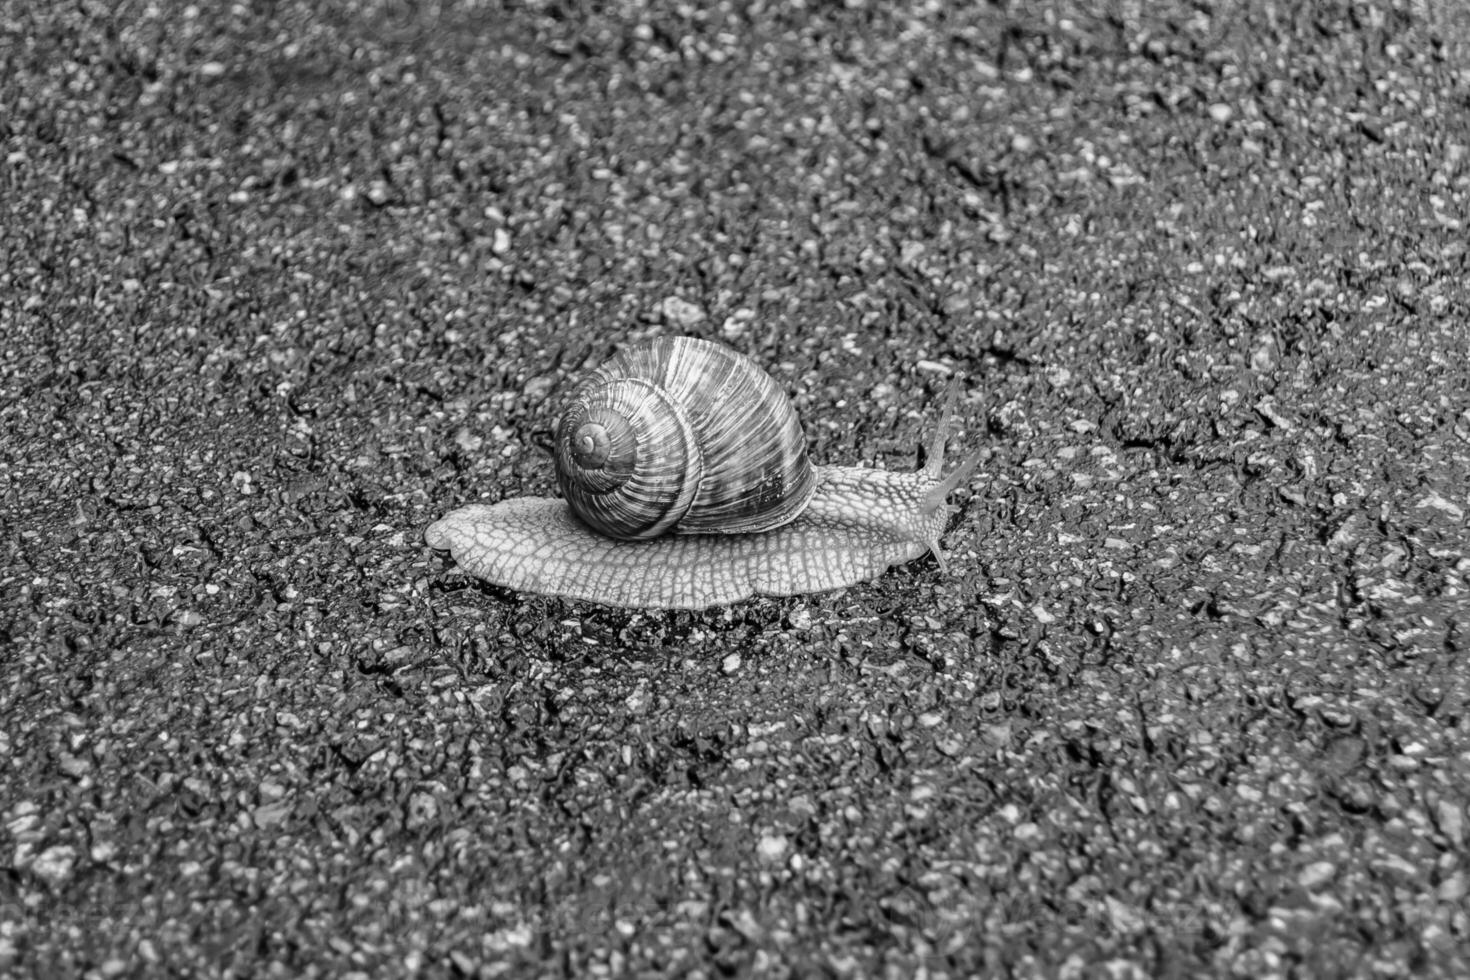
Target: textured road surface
(283,283)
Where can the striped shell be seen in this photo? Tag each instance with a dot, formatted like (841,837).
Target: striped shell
(679,434)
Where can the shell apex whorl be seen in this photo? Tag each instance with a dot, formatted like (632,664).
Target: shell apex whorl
(626,458)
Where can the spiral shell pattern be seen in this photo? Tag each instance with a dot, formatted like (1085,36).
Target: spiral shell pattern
(685,435)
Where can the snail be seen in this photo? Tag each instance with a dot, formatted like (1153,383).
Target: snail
(687,484)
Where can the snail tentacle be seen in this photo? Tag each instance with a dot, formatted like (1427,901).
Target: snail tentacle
(937,496)
(934,457)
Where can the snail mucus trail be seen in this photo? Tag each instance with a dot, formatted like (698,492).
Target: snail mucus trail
(687,484)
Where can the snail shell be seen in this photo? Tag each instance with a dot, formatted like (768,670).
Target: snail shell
(685,435)
(758,519)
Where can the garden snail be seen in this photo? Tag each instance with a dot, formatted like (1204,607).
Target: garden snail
(687,485)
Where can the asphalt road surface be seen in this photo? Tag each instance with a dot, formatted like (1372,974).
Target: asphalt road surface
(282,283)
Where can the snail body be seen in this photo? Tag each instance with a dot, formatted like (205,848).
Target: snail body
(760,519)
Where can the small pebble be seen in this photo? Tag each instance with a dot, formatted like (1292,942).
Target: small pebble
(680,312)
